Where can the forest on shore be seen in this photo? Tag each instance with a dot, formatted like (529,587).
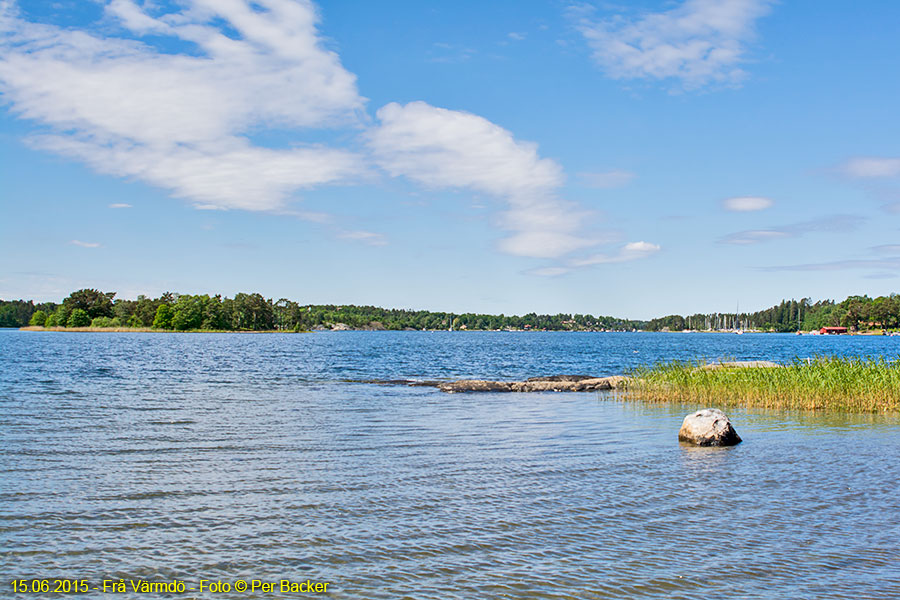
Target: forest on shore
(253,312)
(859,313)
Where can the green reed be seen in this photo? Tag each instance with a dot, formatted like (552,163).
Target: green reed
(856,385)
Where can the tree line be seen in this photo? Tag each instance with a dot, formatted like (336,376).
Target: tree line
(253,312)
(856,313)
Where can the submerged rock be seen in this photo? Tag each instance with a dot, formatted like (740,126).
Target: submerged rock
(708,427)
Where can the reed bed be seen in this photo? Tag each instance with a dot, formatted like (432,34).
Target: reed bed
(852,385)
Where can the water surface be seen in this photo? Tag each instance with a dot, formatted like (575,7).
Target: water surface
(228,456)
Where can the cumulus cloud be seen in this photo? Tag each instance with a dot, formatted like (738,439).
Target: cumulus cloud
(700,42)
(177,98)
(448,148)
(746,203)
(834,223)
(443,148)
(869,167)
(181,120)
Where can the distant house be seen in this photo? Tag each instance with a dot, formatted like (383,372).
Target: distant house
(832,330)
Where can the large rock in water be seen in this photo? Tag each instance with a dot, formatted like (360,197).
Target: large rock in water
(475,385)
(708,427)
(555,383)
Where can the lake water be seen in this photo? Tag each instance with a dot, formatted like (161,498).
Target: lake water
(231,457)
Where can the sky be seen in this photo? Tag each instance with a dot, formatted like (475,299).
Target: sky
(633,159)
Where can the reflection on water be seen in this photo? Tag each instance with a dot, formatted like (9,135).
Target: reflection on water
(705,460)
(227,456)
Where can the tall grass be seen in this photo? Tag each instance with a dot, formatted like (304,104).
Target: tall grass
(854,385)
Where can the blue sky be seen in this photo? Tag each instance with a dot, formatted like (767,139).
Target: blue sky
(633,159)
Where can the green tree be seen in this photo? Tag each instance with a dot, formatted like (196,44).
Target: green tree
(62,315)
(38,319)
(51,320)
(253,312)
(216,314)
(78,318)
(188,312)
(15,313)
(94,302)
(286,313)
(124,309)
(163,319)
(106,322)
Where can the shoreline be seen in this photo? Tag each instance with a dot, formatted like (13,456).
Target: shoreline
(828,384)
(338,327)
(145,330)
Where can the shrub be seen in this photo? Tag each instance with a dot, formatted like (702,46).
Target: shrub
(62,315)
(78,318)
(38,318)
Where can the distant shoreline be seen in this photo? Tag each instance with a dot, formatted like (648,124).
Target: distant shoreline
(342,327)
(147,330)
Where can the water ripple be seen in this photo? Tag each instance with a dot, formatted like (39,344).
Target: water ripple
(154,456)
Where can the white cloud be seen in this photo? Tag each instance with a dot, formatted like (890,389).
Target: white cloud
(230,174)
(444,148)
(119,205)
(608,179)
(629,252)
(448,148)
(866,167)
(173,98)
(180,120)
(700,42)
(746,203)
(544,244)
(85,244)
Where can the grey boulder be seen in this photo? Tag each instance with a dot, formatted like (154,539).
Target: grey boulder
(708,427)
